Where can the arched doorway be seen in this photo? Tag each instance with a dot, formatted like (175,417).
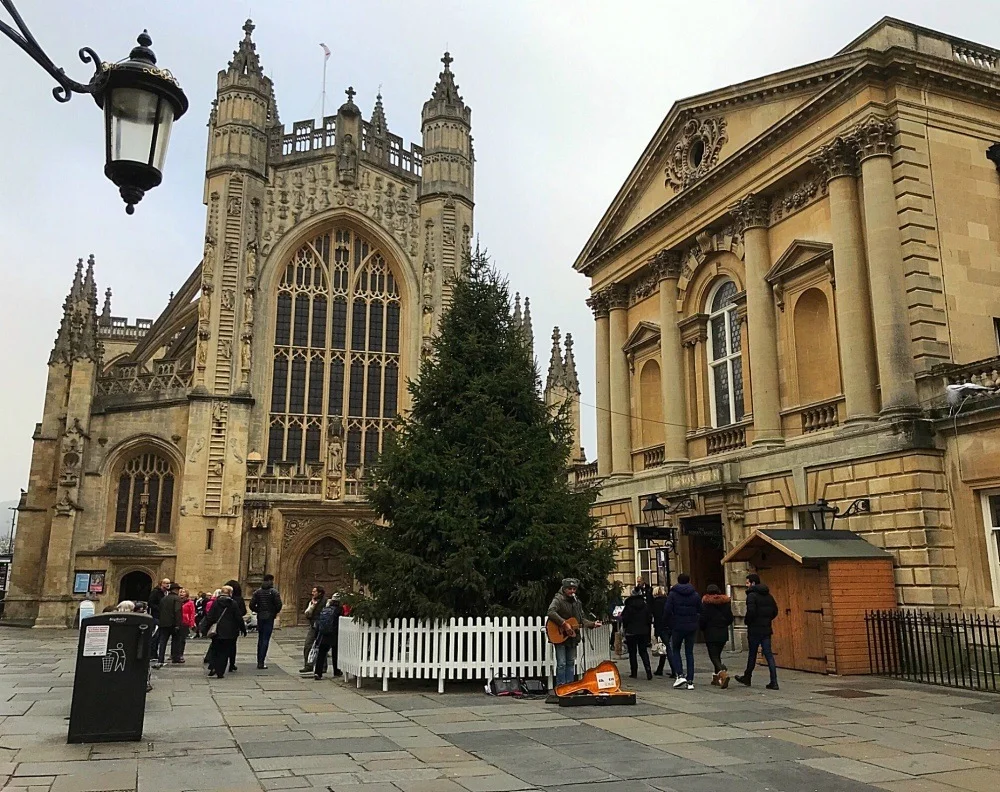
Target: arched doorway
(135,586)
(324,565)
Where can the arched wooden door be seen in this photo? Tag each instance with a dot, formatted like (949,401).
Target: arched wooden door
(325,565)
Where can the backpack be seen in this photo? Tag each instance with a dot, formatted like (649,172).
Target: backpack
(328,621)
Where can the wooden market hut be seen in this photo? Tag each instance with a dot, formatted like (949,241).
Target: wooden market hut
(823,582)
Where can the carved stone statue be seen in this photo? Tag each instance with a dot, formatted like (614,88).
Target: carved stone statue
(245,354)
(248,307)
(347,162)
(252,260)
(204,309)
(208,261)
(334,461)
(228,299)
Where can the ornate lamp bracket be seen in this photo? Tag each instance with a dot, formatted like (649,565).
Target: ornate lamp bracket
(26,41)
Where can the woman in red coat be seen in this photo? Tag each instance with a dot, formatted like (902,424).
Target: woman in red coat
(187,620)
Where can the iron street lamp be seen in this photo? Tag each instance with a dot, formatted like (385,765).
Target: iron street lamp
(823,515)
(140,103)
(656,526)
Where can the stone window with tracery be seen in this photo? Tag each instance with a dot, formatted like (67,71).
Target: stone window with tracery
(145,498)
(725,356)
(336,353)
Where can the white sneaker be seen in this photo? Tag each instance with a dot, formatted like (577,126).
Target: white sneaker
(680,682)
(690,685)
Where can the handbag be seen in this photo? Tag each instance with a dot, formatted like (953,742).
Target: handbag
(213,630)
(659,648)
(314,652)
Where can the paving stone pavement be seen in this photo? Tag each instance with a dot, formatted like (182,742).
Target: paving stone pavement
(272,730)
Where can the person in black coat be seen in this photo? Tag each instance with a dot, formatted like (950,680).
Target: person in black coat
(242,607)
(716,616)
(171,622)
(761,611)
(661,629)
(636,622)
(225,614)
(683,611)
(328,635)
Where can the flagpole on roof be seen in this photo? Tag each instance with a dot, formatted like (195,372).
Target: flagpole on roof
(322,111)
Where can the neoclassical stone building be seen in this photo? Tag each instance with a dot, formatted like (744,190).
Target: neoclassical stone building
(791,275)
(228,438)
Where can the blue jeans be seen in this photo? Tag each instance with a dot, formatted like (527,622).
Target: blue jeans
(565,662)
(676,639)
(763,643)
(264,629)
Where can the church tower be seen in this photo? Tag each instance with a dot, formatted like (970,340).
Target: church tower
(562,386)
(42,578)
(242,114)
(446,194)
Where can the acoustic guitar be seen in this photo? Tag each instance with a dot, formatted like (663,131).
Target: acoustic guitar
(560,633)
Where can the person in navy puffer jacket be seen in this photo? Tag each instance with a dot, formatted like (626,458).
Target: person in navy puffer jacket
(683,612)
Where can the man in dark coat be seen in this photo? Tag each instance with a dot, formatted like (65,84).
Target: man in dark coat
(171,622)
(636,623)
(683,610)
(226,615)
(266,603)
(328,635)
(661,629)
(761,611)
(155,598)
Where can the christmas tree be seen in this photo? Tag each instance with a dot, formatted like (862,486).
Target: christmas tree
(475,515)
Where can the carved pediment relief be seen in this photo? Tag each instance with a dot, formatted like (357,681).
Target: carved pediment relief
(645,335)
(801,257)
(695,151)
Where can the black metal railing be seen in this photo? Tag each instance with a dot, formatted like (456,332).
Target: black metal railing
(960,650)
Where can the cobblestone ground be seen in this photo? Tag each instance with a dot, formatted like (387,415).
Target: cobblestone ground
(273,730)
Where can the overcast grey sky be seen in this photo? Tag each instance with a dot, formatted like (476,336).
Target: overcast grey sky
(565,95)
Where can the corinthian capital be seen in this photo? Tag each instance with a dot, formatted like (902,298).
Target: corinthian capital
(617,296)
(873,137)
(598,303)
(754,211)
(837,158)
(667,264)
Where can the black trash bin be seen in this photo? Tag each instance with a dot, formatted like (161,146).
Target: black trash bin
(112,668)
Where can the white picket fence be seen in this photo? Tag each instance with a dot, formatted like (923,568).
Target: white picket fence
(457,649)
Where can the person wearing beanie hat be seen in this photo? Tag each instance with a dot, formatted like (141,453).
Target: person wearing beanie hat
(564,606)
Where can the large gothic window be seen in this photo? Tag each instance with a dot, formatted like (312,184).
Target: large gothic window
(145,498)
(725,357)
(336,352)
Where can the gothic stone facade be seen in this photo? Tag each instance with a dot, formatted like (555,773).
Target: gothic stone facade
(229,437)
(793,272)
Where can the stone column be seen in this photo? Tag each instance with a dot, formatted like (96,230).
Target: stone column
(873,142)
(753,216)
(667,266)
(621,419)
(838,163)
(599,305)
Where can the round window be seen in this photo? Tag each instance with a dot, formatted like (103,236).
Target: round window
(697,153)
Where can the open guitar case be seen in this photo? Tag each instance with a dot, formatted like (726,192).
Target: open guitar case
(584,698)
(600,686)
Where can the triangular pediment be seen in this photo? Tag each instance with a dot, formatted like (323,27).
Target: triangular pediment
(800,255)
(644,334)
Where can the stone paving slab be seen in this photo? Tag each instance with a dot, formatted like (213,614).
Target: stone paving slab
(276,730)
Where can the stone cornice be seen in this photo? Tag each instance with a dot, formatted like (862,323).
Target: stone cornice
(895,63)
(693,328)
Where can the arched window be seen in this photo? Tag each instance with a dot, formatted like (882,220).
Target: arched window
(145,501)
(725,359)
(336,352)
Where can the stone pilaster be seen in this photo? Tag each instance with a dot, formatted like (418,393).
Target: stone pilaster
(872,140)
(599,305)
(838,162)
(621,403)
(752,216)
(667,265)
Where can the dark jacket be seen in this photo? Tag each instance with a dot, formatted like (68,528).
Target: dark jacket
(562,608)
(683,608)
(761,611)
(636,618)
(328,622)
(266,601)
(155,598)
(716,616)
(660,627)
(226,614)
(171,611)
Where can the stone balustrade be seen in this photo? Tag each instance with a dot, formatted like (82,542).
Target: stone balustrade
(729,438)
(653,457)
(983,59)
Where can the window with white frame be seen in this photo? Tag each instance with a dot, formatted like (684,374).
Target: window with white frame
(725,356)
(991,516)
(645,562)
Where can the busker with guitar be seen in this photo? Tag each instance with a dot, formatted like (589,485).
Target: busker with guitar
(566,619)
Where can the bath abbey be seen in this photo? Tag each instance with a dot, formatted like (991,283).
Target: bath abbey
(229,436)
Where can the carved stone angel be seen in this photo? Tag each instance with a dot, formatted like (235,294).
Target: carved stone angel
(347,162)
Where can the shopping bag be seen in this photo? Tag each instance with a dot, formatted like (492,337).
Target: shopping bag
(659,648)
(314,653)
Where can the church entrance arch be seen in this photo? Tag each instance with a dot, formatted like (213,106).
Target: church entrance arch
(325,565)
(135,586)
